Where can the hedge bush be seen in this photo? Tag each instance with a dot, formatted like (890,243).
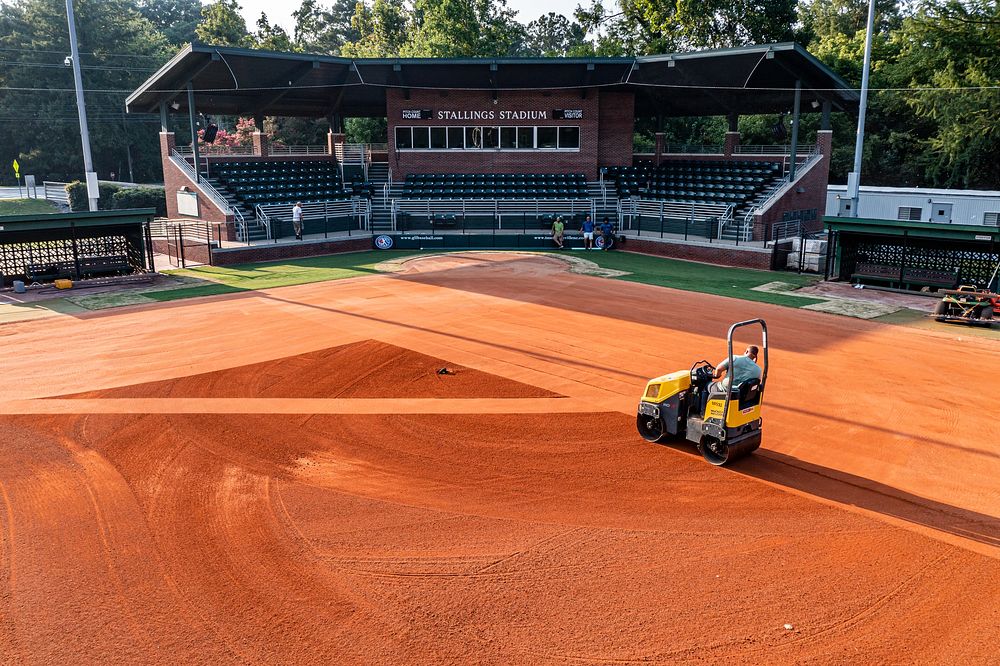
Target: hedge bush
(116,197)
(141,197)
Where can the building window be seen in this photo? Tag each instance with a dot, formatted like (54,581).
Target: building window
(547,137)
(909,214)
(439,138)
(508,138)
(421,138)
(569,137)
(404,138)
(526,138)
(488,138)
(491,137)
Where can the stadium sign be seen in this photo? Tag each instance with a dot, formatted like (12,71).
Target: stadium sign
(491,114)
(383,242)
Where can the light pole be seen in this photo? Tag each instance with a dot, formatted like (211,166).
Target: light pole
(854,178)
(93,192)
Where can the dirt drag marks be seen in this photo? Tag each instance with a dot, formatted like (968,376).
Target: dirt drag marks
(457,535)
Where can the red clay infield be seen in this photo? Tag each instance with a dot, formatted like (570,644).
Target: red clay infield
(196,503)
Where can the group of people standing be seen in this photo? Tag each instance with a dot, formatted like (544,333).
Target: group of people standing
(588,228)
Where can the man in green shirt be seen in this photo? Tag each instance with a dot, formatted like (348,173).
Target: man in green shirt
(558,227)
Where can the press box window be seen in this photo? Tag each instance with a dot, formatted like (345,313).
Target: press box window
(421,137)
(439,138)
(569,137)
(473,137)
(491,137)
(456,137)
(508,138)
(404,138)
(525,138)
(548,137)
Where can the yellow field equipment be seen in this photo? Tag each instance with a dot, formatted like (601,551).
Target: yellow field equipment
(724,425)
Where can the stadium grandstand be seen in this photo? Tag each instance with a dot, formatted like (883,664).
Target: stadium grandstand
(499,145)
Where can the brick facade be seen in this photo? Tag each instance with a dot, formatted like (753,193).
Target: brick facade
(289,251)
(813,186)
(605,131)
(174,179)
(722,255)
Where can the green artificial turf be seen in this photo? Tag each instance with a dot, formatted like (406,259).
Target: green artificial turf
(704,278)
(27,206)
(674,273)
(266,275)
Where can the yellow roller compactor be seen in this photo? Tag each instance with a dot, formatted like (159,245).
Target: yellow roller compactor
(725,425)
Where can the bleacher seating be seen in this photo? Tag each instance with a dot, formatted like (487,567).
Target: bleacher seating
(695,181)
(495,186)
(254,183)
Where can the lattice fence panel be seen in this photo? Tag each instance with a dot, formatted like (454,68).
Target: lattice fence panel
(16,257)
(975,266)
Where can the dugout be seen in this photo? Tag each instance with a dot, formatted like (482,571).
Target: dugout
(47,247)
(912,255)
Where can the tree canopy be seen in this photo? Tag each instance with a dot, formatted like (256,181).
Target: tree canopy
(932,117)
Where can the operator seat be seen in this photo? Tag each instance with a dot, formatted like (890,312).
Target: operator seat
(749,393)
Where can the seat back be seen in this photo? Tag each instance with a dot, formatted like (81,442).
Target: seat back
(749,393)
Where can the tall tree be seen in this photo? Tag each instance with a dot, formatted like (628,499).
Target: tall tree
(555,35)
(950,54)
(382,28)
(319,29)
(223,25)
(119,48)
(663,26)
(271,37)
(450,28)
(826,18)
(176,19)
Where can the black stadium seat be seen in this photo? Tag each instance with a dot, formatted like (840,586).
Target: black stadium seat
(256,183)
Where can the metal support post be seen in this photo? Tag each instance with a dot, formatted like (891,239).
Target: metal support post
(795,130)
(93,192)
(194,132)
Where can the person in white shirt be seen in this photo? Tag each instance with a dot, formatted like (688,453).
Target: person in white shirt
(297,220)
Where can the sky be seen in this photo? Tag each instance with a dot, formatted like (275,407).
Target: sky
(281,12)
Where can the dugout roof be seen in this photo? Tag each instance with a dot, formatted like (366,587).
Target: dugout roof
(236,81)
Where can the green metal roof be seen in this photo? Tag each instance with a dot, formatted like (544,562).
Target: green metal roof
(971,232)
(100,218)
(745,80)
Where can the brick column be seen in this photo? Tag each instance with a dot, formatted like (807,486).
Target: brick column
(261,144)
(660,145)
(333,139)
(168,142)
(732,143)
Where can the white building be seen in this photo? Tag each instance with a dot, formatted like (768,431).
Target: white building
(918,205)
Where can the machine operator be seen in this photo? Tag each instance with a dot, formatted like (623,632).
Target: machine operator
(744,368)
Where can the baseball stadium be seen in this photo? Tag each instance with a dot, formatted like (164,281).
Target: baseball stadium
(506,387)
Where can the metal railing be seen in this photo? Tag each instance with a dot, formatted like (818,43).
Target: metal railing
(299,151)
(217,151)
(803,162)
(202,183)
(496,209)
(350,153)
(762,149)
(275,218)
(56,192)
(632,210)
(693,149)
(786,229)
